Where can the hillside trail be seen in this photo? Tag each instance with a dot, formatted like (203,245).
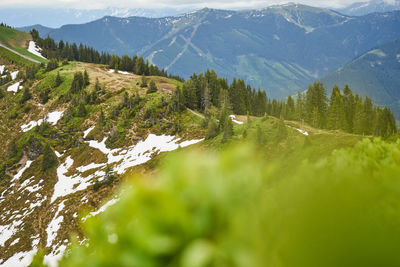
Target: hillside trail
(19,54)
(197,114)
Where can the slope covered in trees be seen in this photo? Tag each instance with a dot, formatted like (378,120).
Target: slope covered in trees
(341,111)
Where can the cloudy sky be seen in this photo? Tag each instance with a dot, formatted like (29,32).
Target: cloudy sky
(100,4)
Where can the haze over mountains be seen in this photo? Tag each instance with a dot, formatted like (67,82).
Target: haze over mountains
(279,49)
(366,7)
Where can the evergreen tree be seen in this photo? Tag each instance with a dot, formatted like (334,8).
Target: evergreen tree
(44,96)
(49,158)
(349,108)
(212,130)
(26,95)
(359,116)
(290,109)
(336,110)
(152,88)
(81,110)
(144,82)
(58,80)
(86,80)
(102,118)
(282,131)
(228,129)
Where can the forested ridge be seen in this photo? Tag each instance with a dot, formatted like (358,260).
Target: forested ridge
(341,111)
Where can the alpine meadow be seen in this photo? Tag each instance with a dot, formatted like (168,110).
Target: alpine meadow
(199,134)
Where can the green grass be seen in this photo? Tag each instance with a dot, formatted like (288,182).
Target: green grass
(10,58)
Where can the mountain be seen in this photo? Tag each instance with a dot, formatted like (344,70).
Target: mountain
(73,132)
(372,6)
(43,30)
(279,49)
(376,73)
(56,17)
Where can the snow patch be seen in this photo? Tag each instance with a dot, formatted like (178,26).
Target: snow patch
(102,209)
(14,75)
(85,133)
(139,153)
(34,49)
(20,259)
(21,171)
(54,225)
(123,72)
(2,68)
(91,166)
(111,71)
(398,57)
(233,117)
(52,259)
(63,180)
(15,87)
(7,231)
(51,118)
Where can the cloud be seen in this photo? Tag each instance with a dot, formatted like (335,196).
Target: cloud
(223,4)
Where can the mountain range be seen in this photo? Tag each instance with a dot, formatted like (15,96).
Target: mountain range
(376,73)
(363,8)
(279,49)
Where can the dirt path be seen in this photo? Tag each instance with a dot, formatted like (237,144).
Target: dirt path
(197,114)
(19,54)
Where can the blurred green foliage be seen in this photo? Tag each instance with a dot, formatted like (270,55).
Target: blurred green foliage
(230,208)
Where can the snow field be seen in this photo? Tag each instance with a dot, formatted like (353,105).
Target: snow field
(34,49)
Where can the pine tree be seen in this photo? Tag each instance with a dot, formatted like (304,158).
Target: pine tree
(152,88)
(44,96)
(26,95)
(336,110)
(58,80)
(144,82)
(81,110)
(212,129)
(290,109)
(349,108)
(228,129)
(282,131)
(49,158)
(359,116)
(102,118)
(86,80)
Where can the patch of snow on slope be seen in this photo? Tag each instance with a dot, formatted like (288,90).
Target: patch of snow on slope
(139,153)
(111,71)
(21,171)
(2,68)
(20,259)
(34,49)
(52,259)
(398,57)
(54,225)
(91,166)
(14,75)
(62,178)
(102,208)
(51,118)
(15,87)
(233,117)
(7,231)
(190,142)
(85,133)
(303,132)
(123,72)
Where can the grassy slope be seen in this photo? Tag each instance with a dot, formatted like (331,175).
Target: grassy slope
(18,41)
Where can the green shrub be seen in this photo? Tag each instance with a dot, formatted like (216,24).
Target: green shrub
(233,209)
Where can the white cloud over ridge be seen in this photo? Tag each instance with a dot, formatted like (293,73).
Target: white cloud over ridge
(222,4)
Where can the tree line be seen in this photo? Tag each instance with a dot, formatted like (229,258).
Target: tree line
(344,110)
(73,52)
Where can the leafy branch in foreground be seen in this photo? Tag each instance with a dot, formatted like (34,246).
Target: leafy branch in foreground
(233,209)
